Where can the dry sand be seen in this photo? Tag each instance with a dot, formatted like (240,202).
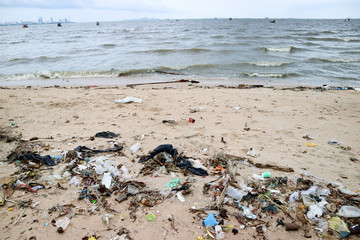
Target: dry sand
(278,119)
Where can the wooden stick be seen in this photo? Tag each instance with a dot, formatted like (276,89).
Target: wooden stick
(19,217)
(152,83)
(223,193)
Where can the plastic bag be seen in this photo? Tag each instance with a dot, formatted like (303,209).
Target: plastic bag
(106,181)
(128,100)
(349,212)
(74,181)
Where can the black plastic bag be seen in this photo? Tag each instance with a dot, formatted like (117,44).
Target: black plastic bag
(89,151)
(29,156)
(106,135)
(168,148)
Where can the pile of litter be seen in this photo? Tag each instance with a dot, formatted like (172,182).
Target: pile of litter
(261,202)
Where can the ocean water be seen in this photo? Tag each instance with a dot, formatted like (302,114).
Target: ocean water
(290,51)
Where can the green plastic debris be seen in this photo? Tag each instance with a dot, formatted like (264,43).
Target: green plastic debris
(173,183)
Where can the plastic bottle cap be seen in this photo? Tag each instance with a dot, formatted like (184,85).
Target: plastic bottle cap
(150,217)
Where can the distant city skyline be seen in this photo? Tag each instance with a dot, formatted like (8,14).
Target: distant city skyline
(115,10)
(39,20)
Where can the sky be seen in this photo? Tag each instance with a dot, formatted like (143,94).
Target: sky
(114,10)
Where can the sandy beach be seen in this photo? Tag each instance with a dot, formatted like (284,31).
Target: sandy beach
(290,128)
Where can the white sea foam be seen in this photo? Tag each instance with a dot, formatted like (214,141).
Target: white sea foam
(340,60)
(266,75)
(269,64)
(278,49)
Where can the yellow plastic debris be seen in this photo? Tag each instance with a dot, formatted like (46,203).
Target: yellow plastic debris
(311,144)
(338,225)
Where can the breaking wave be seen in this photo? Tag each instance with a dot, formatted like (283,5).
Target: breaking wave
(36,60)
(334,39)
(269,64)
(177,50)
(271,75)
(280,49)
(337,60)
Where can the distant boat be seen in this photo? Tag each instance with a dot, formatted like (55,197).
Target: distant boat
(230,19)
(97,23)
(272,21)
(25,26)
(59,25)
(347,19)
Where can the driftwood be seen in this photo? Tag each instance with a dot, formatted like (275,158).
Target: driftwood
(271,166)
(153,83)
(223,193)
(261,165)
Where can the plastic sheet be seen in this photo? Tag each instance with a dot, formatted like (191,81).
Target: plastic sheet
(349,212)
(129,100)
(106,181)
(210,220)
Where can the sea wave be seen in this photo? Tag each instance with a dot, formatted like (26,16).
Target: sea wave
(176,50)
(18,42)
(47,74)
(269,64)
(334,39)
(39,59)
(271,75)
(108,45)
(280,49)
(337,60)
(347,39)
(218,37)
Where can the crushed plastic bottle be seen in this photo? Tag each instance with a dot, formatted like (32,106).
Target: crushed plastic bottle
(234,193)
(253,153)
(180,197)
(106,219)
(134,148)
(219,233)
(62,224)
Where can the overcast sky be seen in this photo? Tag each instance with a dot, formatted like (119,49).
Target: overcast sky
(113,10)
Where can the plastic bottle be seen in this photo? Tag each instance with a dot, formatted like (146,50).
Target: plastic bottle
(134,148)
(234,193)
(62,223)
(219,233)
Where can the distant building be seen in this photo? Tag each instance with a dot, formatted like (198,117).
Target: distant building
(40,20)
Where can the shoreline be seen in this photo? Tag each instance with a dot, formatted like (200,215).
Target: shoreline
(123,81)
